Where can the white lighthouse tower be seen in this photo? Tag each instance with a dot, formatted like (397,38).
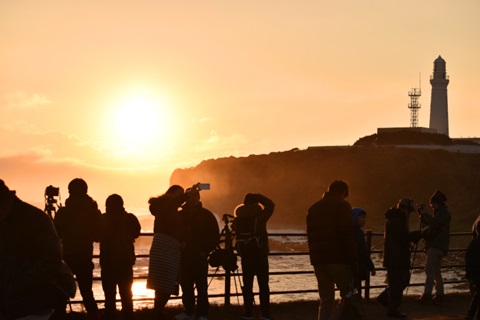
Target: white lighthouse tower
(439,102)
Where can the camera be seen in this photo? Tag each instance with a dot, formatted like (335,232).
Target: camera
(51,191)
(227,218)
(420,208)
(203,186)
(51,203)
(198,187)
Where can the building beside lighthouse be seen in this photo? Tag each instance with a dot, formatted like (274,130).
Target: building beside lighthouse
(436,136)
(439,102)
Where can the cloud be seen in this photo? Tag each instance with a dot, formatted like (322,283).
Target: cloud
(218,143)
(19,140)
(24,101)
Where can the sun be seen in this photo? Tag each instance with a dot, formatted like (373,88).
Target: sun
(139,123)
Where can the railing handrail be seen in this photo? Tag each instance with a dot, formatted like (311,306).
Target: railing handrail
(228,275)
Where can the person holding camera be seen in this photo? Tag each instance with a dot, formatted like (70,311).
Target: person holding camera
(165,252)
(201,236)
(397,255)
(117,256)
(78,224)
(250,226)
(437,240)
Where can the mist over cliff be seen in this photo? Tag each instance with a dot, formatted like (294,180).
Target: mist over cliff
(378,176)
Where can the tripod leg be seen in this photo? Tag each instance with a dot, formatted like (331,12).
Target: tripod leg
(211,279)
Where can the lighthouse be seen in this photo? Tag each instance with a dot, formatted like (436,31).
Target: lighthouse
(439,102)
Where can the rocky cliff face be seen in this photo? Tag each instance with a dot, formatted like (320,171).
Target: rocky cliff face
(378,177)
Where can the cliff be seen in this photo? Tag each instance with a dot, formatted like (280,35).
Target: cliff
(378,176)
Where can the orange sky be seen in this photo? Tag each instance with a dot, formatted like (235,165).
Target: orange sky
(122,92)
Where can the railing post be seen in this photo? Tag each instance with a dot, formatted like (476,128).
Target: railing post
(227,287)
(228,246)
(367,281)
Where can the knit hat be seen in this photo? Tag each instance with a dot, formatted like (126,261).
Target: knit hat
(438,197)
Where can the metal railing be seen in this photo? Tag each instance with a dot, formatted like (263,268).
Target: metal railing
(370,237)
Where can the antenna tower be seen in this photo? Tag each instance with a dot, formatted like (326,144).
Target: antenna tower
(414,105)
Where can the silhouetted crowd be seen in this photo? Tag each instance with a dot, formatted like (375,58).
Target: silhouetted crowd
(44,259)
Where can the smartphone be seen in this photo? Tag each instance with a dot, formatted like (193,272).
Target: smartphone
(204,186)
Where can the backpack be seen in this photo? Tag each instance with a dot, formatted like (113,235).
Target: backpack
(225,258)
(246,234)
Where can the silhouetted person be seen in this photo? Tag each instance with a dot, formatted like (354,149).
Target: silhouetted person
(472,268)
(437,241)
(332,249)
(30,253)
(396,255)
(165,253)
(365,264)
(78,224)
(250,226)
(201,237)
(117,256)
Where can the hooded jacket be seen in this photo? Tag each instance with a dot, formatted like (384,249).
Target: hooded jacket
(365,263)
(440,222)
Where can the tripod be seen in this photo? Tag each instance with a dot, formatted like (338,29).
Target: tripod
(414,247)
(51,206)
(51,203)
(226,257)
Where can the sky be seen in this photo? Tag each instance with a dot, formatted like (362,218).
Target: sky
(121,93)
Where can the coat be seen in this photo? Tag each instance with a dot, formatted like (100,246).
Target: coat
(117,244)
(201,231)
(165,208)
(79,225)
(440,223)
(257,216)
(330,231)
(30,254)
(397,240)
(365,263)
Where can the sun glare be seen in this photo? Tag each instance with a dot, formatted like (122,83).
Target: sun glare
(139,124)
